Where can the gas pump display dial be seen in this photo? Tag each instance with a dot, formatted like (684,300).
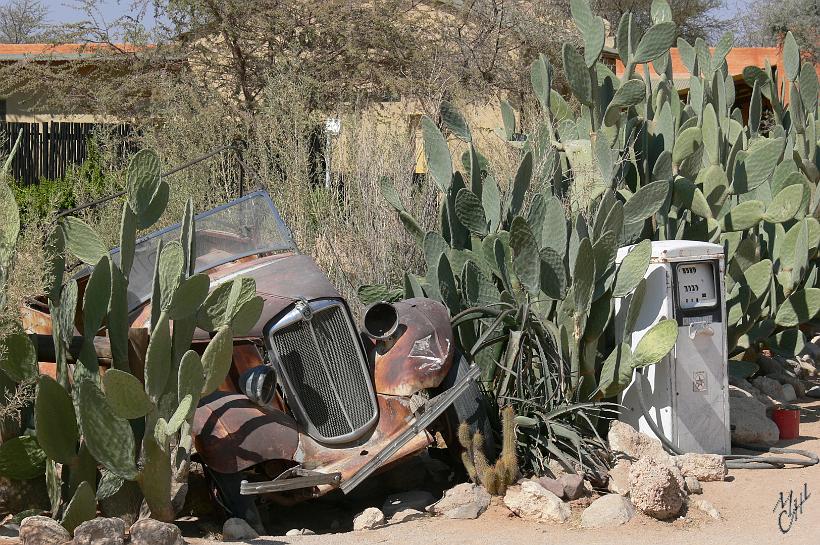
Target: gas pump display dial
(696,285)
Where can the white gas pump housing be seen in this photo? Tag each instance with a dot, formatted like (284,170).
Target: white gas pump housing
(687,393)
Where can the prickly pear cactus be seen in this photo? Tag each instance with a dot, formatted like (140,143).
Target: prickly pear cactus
(528,271)
(86,418)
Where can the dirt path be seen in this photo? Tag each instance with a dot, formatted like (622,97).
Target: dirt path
(749,503)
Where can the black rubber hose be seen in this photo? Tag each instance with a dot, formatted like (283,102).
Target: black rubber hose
(734,461)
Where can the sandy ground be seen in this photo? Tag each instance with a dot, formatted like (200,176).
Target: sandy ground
(749,502)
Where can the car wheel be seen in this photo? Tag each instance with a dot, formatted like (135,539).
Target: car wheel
(472,407)
(225,489)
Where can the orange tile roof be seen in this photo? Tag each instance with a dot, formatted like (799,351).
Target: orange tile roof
(738,59)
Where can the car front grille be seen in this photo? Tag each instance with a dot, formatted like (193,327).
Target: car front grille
(324,371)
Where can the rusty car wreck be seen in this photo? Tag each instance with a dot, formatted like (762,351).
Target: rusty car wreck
(311,403)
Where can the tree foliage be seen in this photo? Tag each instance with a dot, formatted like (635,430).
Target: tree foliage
(767,22)
(22,21)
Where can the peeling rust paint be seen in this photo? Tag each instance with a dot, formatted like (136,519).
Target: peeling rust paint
(422,354)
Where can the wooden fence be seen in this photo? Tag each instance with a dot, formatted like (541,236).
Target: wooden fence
(48,150)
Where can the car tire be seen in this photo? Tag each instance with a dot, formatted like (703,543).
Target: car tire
(225,489)
(472,407)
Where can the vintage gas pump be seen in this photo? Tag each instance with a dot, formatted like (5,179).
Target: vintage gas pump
(686,395)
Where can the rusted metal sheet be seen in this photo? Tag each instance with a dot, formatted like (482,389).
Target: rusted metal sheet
(394,412)
(232,434)
(422,354)
(35,321)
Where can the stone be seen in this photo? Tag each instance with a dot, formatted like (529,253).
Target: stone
(154,532)
(619,477)
(806,367)
(749,422)
(770,387)
(42,531)
(463,501)
(406,515)
(607,511)
(704,467)
(414,499)
(813,392)
(573,486)
(768,364)
(705,506)
(237,529)
(655,488)
(299,532)
(100,531)
(370,518)
(747,387)
(812,349)
(533,502)
(553,485)
(786,377)
(789,394)
(693,485)
(558,468)
(627,441)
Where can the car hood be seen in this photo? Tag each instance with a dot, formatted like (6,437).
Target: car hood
(280,281)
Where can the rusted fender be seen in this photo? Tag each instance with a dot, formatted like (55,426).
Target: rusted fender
(347,460)
(231,433)
(422,354)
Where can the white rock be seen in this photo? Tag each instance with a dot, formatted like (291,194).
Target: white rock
(531,501)
(100,531)
(237,529)
(619,477)
(706,507)
(655,488)
(749,422)
(406,515)
(609,510)
(414,499)
(806,367)
(370,518)
(42,531)
(299,532)
(154,532)
(463,501)
(626,440)
(704,467)
(693,485)
(789,394)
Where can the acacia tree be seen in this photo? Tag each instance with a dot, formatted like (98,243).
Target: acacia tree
(767,21)
(693,18)
(22,21)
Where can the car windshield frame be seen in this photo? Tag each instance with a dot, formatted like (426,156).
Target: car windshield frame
(283,242)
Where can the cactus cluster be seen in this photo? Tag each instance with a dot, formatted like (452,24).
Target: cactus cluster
(134,420)
(495,478)
(528,269)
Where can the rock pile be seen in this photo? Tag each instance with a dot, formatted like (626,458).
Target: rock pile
(99,531)
(655,482)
